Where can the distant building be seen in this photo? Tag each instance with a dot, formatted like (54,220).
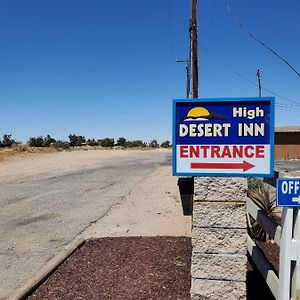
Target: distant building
(287,142)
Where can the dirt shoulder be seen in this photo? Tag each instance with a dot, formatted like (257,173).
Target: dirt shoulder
(153,208)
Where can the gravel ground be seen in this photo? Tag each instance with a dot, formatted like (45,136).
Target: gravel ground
(271,251)
(135,268)
(123,268)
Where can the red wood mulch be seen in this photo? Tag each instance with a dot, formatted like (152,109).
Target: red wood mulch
(123,268)
(132,268)
(271,252)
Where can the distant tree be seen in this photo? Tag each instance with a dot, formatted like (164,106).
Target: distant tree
(153,144)
(139,143)
(165,144)
(76,140)
(41,141)
(36,141)
(108,142)
(135,144)
(121,142)
(129,144)
(61,145)
(7,141)
(72,139)
(93,142)
(1,144)
(48,140)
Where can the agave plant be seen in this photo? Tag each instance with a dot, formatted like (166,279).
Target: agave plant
(266,201)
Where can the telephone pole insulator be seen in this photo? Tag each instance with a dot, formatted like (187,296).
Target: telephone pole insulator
(259,83)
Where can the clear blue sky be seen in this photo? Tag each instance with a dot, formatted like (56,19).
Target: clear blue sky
(107,68)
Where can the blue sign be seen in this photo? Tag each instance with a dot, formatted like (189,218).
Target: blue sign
(288,192)
(223,137)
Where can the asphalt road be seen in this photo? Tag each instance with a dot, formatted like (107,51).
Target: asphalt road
(41,214)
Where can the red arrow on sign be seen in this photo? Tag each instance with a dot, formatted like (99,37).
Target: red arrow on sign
(245,166)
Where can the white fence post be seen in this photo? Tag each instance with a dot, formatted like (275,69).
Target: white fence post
(295,288)
(285,253)
(287,236)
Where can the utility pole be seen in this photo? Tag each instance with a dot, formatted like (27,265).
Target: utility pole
(194,47)
(259,83)
(188,75)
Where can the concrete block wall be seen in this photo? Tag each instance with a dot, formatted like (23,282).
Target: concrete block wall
(219,262)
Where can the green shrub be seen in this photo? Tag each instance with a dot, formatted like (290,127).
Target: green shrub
(36,142)
(48,140)
(266,201)
(108,142)
(41,141)
(93,142)
(153,144)
(121,142)
(76,140)
(255,183)
(61,145)
(7,141)
(135,144)
(165,144)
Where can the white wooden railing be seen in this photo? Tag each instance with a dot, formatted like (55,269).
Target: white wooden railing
(287,237)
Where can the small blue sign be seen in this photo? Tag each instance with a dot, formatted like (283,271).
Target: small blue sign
(223,137)
(288,192)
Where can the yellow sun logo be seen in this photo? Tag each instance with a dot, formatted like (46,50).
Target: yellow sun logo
(198,112)
(202,114)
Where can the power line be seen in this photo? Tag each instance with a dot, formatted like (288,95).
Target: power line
(281,106)
(171,36)
(210,26)
(295,103)
(235,18)
(286,107)
(282,97)
(170,30)
(292,106)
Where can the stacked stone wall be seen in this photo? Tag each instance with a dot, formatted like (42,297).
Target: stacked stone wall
(219,234)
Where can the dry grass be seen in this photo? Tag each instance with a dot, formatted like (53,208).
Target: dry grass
(23,149)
